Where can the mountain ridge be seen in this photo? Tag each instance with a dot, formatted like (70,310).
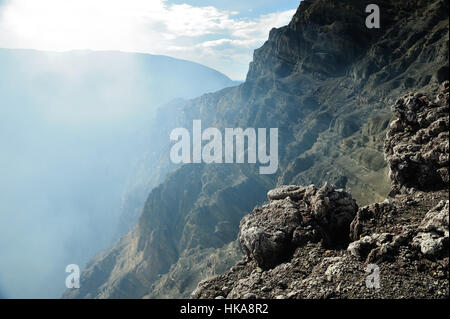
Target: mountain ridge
(330,106)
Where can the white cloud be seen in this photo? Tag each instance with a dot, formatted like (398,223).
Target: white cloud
(203,34)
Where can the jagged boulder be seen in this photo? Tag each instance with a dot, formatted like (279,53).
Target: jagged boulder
(295,216)
(432,238)
(437,219)
(416,147)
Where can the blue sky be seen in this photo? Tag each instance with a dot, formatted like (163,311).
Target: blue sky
(220,34)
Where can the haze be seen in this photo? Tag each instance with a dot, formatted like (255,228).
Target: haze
(72,118)
(70,130)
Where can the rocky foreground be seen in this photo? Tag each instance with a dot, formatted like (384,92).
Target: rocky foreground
(310,242)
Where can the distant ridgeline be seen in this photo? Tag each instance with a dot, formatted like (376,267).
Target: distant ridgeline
(326,81)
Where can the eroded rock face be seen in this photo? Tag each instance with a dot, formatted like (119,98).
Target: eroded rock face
(295,216)
(406,237)
(416,147)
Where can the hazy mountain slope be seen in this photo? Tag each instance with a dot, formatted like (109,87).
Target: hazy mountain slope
(70,128)
(326,81)
(150,169)
(192,214)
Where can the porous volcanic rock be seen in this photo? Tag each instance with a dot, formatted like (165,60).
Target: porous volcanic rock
(432,238)
(296,215)
(416,145)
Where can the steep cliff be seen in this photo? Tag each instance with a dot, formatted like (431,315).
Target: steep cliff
(403,239)
(325,81)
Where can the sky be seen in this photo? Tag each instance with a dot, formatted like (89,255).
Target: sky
(220,34)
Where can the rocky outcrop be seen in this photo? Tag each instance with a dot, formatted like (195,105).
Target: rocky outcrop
(417,143)
(405,239)
(295,216)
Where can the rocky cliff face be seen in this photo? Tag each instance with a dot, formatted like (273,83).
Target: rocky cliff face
(417,142)
(325,81)
(290,243)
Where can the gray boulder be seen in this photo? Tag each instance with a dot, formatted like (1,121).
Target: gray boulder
(295,216)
